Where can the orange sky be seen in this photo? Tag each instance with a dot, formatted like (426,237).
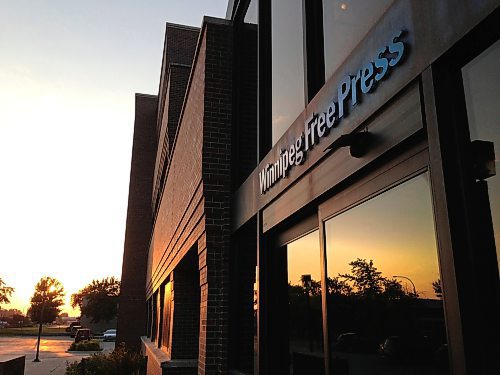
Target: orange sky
(395,230)
(69,71)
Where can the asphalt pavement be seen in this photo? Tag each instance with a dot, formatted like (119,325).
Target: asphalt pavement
(53,353)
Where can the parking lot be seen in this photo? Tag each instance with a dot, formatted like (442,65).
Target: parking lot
(53,353)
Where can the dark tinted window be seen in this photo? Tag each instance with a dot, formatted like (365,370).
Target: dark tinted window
(304,303)
(384,292)
(481,79)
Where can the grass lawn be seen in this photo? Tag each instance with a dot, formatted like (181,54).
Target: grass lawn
(33,331)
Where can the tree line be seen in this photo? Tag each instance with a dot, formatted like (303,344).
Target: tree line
(98,300)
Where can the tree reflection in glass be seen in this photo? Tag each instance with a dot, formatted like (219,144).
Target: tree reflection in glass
(384,294)
(305,330)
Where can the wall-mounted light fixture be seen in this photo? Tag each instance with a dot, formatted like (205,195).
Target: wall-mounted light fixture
(483,159)
(358,143)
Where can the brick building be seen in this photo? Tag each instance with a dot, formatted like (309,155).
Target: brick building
(183,236)
(313,191)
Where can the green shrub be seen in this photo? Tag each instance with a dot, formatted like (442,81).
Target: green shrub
(119,362)
(84,346)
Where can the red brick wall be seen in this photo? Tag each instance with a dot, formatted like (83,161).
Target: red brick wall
(179,48)
(195,206)
(177,83)
(217,137)
(132,306)
(180,214)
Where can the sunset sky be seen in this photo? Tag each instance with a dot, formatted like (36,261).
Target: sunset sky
(401,241)
(68,74)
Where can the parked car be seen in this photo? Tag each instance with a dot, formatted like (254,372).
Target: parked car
(351,342)
(68,329)
(109,335)
(407,348)
(83,334)
(73,330)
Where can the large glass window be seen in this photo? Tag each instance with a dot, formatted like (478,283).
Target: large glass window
(384,291)
(156,316)
(305,330)
(167,315)
(288,99)
(481,78)
(346,22)
(252,15)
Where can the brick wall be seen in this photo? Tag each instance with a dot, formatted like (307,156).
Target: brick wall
(180,218)
(132,305)
(179,48)
(177,83)
(216,169)
(194,211)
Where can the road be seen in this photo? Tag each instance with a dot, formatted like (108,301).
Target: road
(53,354)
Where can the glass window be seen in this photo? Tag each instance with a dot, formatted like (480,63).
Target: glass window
(156,314)
(481,78)
(345,23)
(148,318)
(167,315)
(304,304)
(384,292)
(252,12)
(288,99)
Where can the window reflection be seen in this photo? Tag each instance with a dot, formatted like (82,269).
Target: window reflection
(481,79)
(288,99)
(345,23)
(384,291)
(304,304)
(252,12)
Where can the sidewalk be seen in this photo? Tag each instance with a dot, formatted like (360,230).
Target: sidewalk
(53,353)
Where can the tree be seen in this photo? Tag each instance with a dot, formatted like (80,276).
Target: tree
(99,299)
(5,292)
(46,301)
(366,279)
(338,287)
(45,304)
(438,291)
(393,290)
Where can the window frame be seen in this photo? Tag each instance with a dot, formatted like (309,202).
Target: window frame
(461,226)
(400,169)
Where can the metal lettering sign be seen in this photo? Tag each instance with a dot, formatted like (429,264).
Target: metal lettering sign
(351,88)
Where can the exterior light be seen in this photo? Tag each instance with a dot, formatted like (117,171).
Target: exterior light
(358,143)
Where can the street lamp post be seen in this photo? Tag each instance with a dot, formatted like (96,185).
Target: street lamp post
(407,278)
(45,293)
(39,332)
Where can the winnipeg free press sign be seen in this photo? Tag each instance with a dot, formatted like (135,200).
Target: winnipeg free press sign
(351,88)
